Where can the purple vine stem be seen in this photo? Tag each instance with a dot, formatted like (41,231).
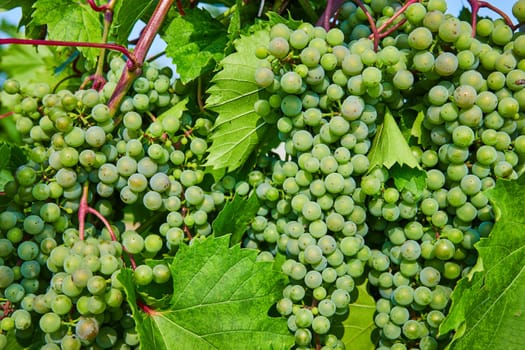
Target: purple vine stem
(475,5)
(44,42)
(85,209)
(97,8)
(371,22)
(332,6)
(141,49)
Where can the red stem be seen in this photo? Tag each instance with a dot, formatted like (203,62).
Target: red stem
(96,7)
(144,43)
(477,4)
(5,115)
(147,309)
(82,211)
(332,6)
(111,233)
(371,22)
(114,47)
(393,28)
(180,8)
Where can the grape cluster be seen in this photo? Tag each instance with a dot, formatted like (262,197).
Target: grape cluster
(62,239)
(339,220)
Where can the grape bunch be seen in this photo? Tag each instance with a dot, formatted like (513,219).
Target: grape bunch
(340,220)
(62,239)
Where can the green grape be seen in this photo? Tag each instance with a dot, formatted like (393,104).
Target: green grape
(106,338)
(299,39)
(87,328)
(420,38)
(310,56)
(403,295)
(7,276)
(391,331)
(340,298)
(27,250)
(321,324)
(264,77)
(399,315)
(446,64)
(22,319)
(70,342)
(423,61)
(279,47)
(291,83)
(465,96)
(50,322)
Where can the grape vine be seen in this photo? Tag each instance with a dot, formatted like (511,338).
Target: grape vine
(349,176)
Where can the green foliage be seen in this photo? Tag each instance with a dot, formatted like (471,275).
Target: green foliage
(358,327)
(235,217)
(70,21)
(196,42)
(221,297)
(488,305)
(31,64)
(238,129)
(390,147)
(26,5)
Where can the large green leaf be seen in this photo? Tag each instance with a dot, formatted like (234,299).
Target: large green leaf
(488,307)
(238,129)
(221,297)
(70,20)
(196,42)
(357,327)
(235,217)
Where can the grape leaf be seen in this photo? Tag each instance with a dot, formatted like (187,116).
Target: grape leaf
(488,307)
(30,64)
(126,14)
(33,342)
(70,20)
(389,147)
(356,328)
(5,151)
(220,301)
(412,179)
(195,42)
(26,6)
(235,217)
(238,129)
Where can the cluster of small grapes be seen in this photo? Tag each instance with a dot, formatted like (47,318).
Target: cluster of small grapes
(337,219)
(58,272)
(316,209)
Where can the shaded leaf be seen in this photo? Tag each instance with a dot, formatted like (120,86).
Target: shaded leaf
(235,217)
(5,151)
(30,64)
(70,20)
(356,328)
(411,179)
(389,147)
(26,5)
(220,301)
(488,307)
(196,42)
(238,129)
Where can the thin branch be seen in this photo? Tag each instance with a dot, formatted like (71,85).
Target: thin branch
(114,47)
(144,43)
